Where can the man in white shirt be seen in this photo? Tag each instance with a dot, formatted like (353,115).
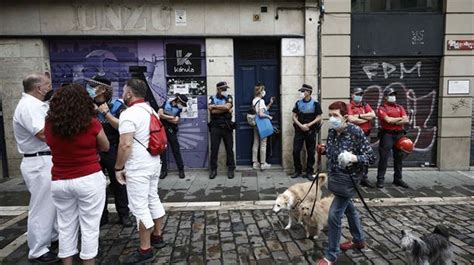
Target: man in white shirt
(140,171)
(28,127)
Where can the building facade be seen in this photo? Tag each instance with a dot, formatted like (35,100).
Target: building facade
(189,46)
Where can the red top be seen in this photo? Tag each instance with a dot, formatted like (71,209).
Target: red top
(392,110)
(362,108)
(76,157)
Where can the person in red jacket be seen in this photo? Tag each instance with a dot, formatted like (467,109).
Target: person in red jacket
(392,117)
(360,114)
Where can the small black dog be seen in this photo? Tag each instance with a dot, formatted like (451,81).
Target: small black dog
(434,248)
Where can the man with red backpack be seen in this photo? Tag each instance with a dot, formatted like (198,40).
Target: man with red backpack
(361,114)
(138,166)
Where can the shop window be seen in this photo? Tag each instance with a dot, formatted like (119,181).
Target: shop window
(361,6)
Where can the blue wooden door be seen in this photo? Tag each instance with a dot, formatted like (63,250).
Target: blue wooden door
(256,62)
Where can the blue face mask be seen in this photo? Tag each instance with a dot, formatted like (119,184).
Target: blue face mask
(335,123)
(91,91)
(357,98)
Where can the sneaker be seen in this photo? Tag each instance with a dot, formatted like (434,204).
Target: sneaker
(48,257)
(265,166)
(324,261)
(138,258)
(351,245)
(256,165)
(366,183)
(157,241)
(181,174)
(401,183)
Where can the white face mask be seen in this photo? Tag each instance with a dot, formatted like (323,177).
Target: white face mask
(391,99)
(263,93)
(302,95)
(224,93)
(335,123)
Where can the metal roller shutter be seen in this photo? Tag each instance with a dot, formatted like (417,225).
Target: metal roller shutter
(416,81)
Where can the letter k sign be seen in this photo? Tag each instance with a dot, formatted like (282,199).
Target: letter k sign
(180,60)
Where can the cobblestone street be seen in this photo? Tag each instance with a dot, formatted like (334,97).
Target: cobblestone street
(257,237)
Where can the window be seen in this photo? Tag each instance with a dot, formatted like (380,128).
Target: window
(397,6)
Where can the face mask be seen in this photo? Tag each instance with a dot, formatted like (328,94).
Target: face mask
(391,99)
(357,99)
(335,123)
(48,95)
(302,95)
(263,93)
(180,106)
(91,91)
(224,93)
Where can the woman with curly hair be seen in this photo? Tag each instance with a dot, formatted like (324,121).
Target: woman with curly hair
(75,137)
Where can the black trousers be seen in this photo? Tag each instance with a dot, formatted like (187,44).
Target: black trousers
(387,144)
(172,136)
(218,134)
(309,139)
(107,162)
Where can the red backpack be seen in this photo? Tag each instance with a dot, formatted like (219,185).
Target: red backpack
(158,142)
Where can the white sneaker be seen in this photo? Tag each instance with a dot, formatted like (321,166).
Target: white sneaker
(256,165)
(265,166)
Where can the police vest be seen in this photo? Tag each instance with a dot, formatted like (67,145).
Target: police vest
(224,116)
(307,112)
(115,106)
(170,110)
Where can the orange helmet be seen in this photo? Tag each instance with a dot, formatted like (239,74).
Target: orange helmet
(404,144)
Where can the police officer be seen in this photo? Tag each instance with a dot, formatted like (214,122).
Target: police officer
(306,120)
(360,113)
(108,113)
(392,117)
(170,115)
(221,126)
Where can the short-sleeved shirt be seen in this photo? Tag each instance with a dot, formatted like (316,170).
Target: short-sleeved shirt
(361,108)
(136,119)
(392,110)
(170,110)
(115,107)
(77,156)
(28,120)
(307,111)
(220,100)
(258,103)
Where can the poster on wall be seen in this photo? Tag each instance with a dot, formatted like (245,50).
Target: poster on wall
(183,59)
(191,87)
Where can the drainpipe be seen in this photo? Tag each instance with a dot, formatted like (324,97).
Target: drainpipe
(320,22)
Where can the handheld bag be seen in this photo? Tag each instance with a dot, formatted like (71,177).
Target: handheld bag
(158,142)
(264,126)
(251,115)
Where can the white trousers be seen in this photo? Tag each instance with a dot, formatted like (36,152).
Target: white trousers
(143,199)
(42,222)
(79,203)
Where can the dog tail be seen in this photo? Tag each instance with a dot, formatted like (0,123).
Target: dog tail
(323,179)
(441,230)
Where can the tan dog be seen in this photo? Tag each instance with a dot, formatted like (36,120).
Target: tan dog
(314,224)
(291,197)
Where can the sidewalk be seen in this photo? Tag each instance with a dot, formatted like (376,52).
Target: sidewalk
(224,221)
(252,185)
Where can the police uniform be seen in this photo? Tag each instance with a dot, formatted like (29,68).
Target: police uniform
(361,108)
(306,111)
(29,120)
(221,127)
(172,135)
(108,159)
(389,134)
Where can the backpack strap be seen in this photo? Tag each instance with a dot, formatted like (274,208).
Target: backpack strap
(151,113)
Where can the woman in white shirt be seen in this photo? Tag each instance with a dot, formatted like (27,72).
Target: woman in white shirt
(262,111)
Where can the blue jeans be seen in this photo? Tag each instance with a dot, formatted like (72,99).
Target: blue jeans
(339,206)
